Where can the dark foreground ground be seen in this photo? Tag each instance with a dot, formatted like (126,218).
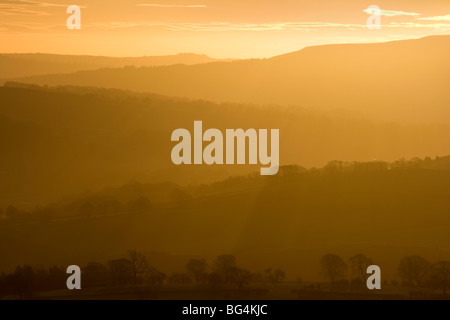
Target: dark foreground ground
(283,291)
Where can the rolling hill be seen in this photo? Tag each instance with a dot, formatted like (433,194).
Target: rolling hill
(32,64)
(289,221)
(401,80)
(60,141)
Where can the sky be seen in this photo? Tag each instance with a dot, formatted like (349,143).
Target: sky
(218,28)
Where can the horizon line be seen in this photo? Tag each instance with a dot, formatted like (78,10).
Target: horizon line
(229,58)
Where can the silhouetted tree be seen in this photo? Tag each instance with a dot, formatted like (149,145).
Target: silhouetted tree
(12,212)
(224,265)
(23,282)
(121,273)
(3,284)
(412,269)
(334,267)
(239,277)
(179,278)
(224,262)
(110,207)
(140,205)
(359,264)
(139,265)
(439,276)
(215,279)
(94,275)
(57,278)
(275,276)
(198,269)
(155,277)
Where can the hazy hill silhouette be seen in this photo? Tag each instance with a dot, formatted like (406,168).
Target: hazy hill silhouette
(288,220)
(57,141)
(31,64)
(384,210)
(401,80)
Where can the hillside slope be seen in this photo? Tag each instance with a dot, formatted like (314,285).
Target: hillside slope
(32,64)
(383,210)
(57,141)
(402,80)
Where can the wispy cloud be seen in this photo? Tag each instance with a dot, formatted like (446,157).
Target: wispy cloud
(16,11)
(26,7)
(437,18)
(442,27)
(223,26)
(31,3)
(157,5)
(390,13)
(26,28)
(259,27)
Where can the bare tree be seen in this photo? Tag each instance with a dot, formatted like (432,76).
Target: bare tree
(224,265)
(359,264)
(198,269)
(139,265)
(275,276)
(239,277)
(440,276)
(155,277)
(413,269)
(334,267)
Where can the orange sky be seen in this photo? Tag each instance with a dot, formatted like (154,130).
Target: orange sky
(219,28)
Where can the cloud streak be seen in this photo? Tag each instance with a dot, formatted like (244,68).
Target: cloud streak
(391,13)
(157,5)
(223,26)
(258,27)
(26,7)
(31,3)
(437,18)
(442,27)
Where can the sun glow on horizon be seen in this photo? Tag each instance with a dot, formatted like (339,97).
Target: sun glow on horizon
(236,29)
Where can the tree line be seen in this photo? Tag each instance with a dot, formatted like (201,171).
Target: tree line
(414,270)
(85,208)
(98,205)
(135,270)
(222,274)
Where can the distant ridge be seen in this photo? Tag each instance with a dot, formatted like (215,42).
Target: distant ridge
(396,81)
(31,64)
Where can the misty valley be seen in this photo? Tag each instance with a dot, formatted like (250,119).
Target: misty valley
(213,153)
(185,177)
